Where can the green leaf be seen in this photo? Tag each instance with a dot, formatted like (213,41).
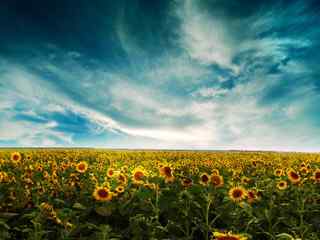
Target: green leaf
(4,224)
(79,206)
(8,215)
(103,211)
(284,236)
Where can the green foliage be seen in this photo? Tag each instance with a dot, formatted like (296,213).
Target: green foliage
(47,197)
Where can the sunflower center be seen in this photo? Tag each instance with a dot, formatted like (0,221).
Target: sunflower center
(294,175)
(237,193)
(216,180)
(251,194)
(15,157)
(81,166)
(138,175)
(187,181)
(167,171)
(204,178)
(103,193)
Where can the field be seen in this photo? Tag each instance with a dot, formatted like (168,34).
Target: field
(100,194)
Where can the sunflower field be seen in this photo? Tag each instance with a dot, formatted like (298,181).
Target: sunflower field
(105,194)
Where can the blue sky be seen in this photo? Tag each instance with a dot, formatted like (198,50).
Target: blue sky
(160,74)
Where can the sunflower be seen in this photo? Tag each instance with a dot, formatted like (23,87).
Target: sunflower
(228,236)
(215,172)
(282,185)
(303,164)
(110,172)
(150,186)
(204,179)
(29,157)
(186,182)
(138,175)
(82,167)
(293,176)
(122,178)
(124,169)
(120,189)
(254,163)
(216,180)
(245,180)
(39,168)
(166,171)
(169,179)
(278,172)
(304,170)
(237,194)
(316,175)
(102,194)
(251,194)
(16,157)
(3,176)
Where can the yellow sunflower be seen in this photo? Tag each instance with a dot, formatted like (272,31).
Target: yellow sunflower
(82,167)
(216,180)
(102,194)
(29,157)
(150,186)
(16,157)
(252,196)
(166,171)
(316,175)
(282,185)
(138,175)
(304,170)
(293,176)
(122,178)
(186,182)
(215,172)
(110,172)
(278,172)
(204,179)
(237,194)
(245,180)
(120,189)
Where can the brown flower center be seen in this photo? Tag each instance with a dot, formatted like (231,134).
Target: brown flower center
(294,175)
(138,175)
(103,193)
(250,194)
(237,193)
(81,166)
(167,171)
(204,178)
(216,180)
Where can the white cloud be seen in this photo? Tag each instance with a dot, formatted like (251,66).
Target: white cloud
(205,37)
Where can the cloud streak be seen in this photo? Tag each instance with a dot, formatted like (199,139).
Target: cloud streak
(198,76)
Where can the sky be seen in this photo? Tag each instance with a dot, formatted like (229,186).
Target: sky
(173,74)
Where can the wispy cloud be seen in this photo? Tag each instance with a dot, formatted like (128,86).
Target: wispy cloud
(206,78)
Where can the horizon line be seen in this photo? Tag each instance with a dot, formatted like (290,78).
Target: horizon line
(160,149)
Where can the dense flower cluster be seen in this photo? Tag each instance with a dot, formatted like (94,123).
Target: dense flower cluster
(75,194)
